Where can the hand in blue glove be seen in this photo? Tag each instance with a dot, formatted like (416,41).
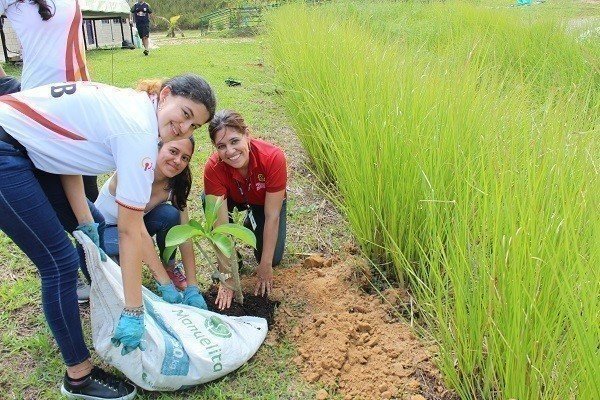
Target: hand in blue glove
(90,229)
(129,333)
(169,293)
(192,297)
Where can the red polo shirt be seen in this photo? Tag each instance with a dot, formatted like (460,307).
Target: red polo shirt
(267,172)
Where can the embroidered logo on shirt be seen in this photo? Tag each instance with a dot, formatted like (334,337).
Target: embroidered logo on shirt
(261,178)
(147,164)
(260,185)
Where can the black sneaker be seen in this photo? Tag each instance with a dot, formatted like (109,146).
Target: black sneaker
(99,385)
(145,52)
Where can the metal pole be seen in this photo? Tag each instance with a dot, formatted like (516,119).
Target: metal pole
(4,50)
(131,31)
(122,33)
(95,33)
(84,37)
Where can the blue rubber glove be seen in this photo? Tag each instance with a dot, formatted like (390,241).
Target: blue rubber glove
(169,293)
(129,333)
(90,229)
(192,297)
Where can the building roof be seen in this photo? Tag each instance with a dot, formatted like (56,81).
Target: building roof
(104,8)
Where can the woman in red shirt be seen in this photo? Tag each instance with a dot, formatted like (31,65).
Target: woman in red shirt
(250,174)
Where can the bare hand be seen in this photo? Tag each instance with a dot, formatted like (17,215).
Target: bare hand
(265,280)
(224,296)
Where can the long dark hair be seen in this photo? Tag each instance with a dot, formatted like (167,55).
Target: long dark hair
(181,184)
(43,9)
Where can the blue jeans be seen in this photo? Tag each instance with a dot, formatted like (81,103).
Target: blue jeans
(52,187)
(259,217)
(158,222)
(29,219)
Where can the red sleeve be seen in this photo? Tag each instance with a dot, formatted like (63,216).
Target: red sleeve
(213,182)
(277,174)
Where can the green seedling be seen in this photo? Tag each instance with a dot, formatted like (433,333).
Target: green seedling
(220,238)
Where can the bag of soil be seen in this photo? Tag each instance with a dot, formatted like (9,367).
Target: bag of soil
(185,346)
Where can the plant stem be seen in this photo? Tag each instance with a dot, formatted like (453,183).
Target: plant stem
(233,269)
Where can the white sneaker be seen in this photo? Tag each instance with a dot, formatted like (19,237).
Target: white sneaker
(83,291)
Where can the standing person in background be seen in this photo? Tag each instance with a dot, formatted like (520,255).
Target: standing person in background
(141,10)
(53,49)
(252,175)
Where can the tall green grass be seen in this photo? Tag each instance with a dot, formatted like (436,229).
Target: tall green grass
(465,151)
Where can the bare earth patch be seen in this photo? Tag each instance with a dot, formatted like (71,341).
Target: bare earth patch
(347,340)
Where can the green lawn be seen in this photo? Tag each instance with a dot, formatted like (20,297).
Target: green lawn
(31,365)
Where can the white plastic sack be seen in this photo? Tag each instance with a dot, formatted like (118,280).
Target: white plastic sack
(186,346)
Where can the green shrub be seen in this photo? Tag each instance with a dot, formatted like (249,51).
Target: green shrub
(462,143)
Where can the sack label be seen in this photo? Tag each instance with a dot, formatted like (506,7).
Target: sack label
(215,326)
(176,361)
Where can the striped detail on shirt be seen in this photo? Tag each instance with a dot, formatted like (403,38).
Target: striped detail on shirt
(130,207)
(73,53)
(37,117)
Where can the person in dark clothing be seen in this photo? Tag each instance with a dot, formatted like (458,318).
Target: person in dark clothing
(141,11)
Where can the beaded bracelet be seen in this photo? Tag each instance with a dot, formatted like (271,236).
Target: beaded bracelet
(133,311)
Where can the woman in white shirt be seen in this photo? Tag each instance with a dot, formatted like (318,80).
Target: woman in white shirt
(167,207)
(88,128)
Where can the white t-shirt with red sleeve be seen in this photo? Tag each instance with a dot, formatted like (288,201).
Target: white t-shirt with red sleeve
(53,50)
(87,128)
(267,173)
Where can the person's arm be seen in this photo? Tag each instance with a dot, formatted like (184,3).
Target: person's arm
(2,73)
(152,260)
(131,226)
(187,254)
(264,271)
(73,187)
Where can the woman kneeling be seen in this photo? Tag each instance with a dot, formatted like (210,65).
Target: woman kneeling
(252,175)
(172,184)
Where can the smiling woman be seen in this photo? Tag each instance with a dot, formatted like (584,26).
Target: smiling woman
(181,105)
(123,136)
(250,174)
(172,184)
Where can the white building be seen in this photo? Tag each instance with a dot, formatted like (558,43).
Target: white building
(105,24)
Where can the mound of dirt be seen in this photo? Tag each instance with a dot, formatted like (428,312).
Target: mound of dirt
(348,340)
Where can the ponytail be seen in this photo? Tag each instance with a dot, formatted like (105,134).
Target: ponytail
(43,9)
(150,86)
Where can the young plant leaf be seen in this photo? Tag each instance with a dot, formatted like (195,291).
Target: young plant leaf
(239,232)
(180,233)
(223,243)
(197,225)
(167,253)
(212,204)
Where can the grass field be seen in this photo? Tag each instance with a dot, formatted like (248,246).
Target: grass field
(31,365)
